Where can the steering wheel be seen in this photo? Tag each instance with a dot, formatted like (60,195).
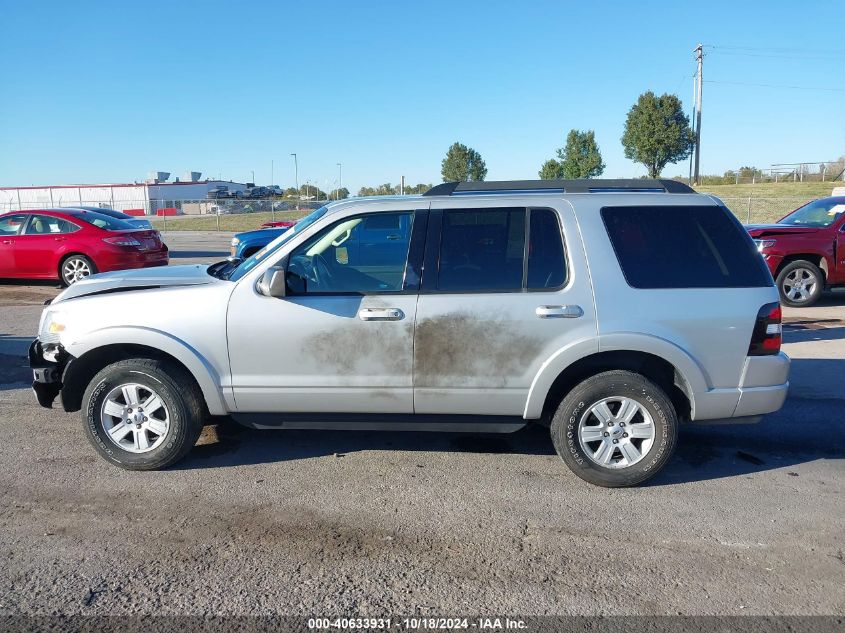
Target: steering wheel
(322,274)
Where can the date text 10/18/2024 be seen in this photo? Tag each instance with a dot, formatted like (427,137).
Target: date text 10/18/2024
(417,623)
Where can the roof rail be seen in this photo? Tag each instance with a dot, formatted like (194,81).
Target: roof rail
(559,186)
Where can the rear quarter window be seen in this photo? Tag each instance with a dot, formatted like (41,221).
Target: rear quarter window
(683,247)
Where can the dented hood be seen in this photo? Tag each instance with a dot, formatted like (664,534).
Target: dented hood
(136,279)
(761,230)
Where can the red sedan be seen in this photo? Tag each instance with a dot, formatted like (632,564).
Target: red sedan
(70,244)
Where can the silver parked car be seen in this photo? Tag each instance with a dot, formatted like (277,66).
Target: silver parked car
(611,311)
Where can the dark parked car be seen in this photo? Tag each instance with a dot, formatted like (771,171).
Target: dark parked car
(218,192)
(118,215)
(805,251)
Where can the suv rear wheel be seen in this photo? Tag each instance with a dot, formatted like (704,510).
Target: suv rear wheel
(800,284)
(142,414)
(615,429)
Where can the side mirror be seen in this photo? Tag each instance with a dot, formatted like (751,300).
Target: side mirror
(272,284)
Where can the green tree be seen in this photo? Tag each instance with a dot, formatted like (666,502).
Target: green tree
(340,194)
(462,163)
(581,157)
(657,132)
(551,170)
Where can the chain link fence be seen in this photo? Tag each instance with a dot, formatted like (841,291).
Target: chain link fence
(241,214)
(753,210)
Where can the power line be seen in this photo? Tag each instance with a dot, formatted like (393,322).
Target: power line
(779,86)
(755,49)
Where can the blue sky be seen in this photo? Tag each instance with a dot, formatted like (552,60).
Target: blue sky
(108,91)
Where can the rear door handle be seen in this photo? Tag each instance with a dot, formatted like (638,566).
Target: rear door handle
(60,239)
(8,241)
(380,314)
(559,312)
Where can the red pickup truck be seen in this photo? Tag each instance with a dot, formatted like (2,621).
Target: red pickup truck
(805,251)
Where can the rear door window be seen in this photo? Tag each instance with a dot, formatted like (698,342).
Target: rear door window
(546,259)
(482,250)
(47,224)
(683,247)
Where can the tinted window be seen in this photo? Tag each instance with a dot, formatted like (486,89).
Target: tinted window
(683,247)
(546,260)
(359,254)
(481,249)
(11,224)
(46,224)
(103,221)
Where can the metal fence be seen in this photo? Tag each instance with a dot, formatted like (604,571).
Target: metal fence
(208,214)
(753,210)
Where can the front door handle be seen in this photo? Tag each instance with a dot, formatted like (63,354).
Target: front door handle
(60,239)
(559,312)
(381,314)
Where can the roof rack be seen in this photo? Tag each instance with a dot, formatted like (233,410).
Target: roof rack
(559,186)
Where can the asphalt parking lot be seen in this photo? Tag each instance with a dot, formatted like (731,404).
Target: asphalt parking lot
(745,520)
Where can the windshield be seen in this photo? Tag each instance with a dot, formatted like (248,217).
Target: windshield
(251,262)
(818,213)
(104,222)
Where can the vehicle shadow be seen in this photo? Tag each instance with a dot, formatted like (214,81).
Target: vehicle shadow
(805,331)
(194,254)
(42,283)
(704,453)
(14,365)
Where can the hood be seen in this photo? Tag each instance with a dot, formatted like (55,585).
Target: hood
(762,230)
(137,279)
(271,233)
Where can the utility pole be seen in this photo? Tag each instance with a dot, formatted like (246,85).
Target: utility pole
(699,55)
(296,172)
(692,118)
(271,175)
(339,179)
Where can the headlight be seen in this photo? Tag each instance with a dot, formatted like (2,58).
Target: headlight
(235,241)
(53,326)
(764,244)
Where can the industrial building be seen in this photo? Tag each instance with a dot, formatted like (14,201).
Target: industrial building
(157,192)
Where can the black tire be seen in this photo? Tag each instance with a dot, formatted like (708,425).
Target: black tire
(573,412)
(79,260)
(803,297)
(177,390)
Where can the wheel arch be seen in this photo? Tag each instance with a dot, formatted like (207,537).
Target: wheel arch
(121,343)
(817,259)
(670,368)
(63,257)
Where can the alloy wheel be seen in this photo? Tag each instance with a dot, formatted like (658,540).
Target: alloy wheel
(135,418)
(75,269)
(799,285)
(616,432)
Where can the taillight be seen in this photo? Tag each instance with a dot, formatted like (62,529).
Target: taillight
(767,335)
(122,241)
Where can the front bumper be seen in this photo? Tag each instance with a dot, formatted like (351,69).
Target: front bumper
(46,375)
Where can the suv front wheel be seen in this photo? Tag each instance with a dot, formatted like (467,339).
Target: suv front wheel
(800,284)
(142,414)
(615,429)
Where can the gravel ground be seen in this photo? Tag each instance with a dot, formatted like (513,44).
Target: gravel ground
(745,520)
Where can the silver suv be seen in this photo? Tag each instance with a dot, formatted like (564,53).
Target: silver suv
(610,311)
